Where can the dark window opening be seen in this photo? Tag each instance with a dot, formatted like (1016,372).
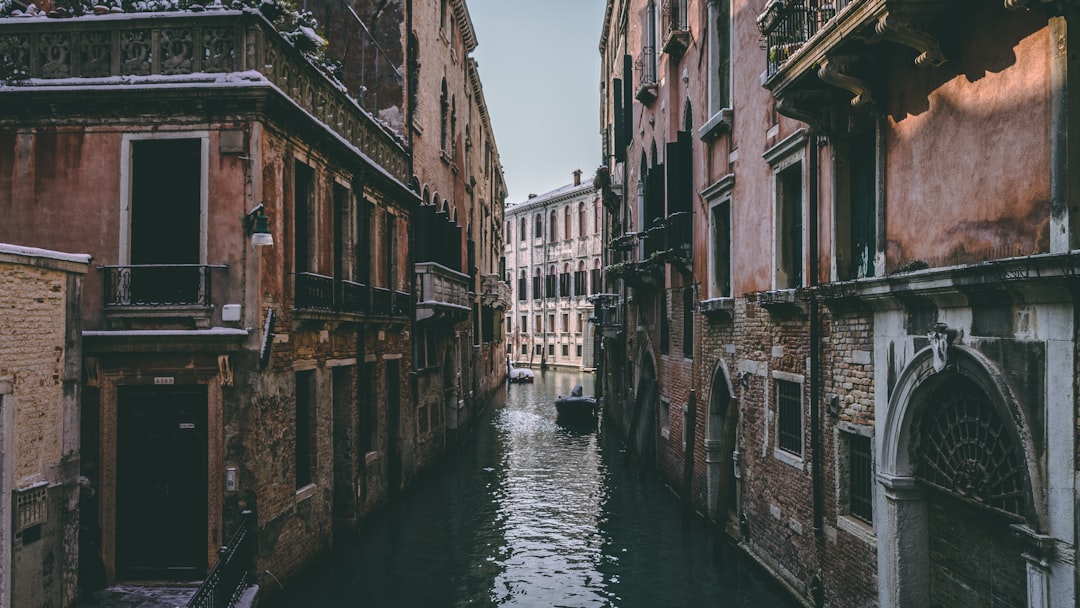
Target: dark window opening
(789,414)
(860,478)
(789,271)
(305,402)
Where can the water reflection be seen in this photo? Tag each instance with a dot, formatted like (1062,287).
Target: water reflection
(535,514)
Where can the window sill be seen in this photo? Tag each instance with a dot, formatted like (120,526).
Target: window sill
(720,123)
(857,528)
(305,492)
(789,459)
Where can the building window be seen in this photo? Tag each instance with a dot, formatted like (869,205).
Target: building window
(566,322)
(581,229)
(524,324)
(860,476)
(391,251)
(524,349)
(564,282)
(553,225)
(719,56)
(551,322)
(551,350)
(665,325)
(789,416)
(305,402)
(522,228)
(580,280)
(539,349)
(444,118)
(580,323)
(566,350)
(720,249)
(579,350)
(789,227)
(304,237)
(550,287)
(538,327)
(596,217)
(566,223)
(538,226)
(597,276)
(537,294)
(856,205)
(522,284)
(688,323)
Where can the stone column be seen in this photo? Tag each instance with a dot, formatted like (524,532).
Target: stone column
(903,543)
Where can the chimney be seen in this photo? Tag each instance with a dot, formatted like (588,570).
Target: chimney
(531,195)
(577,177)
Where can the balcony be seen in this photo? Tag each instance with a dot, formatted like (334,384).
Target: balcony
(607,313)
(646,67)
(226,55)
(496,293)
(822,53)
(676,30)
(441,292)
(317,296)
(159,292)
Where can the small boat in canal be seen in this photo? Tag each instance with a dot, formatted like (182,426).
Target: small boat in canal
(576,407)
(518,375)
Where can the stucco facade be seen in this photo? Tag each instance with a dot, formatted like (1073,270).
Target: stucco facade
(40,362)
(553,277)
(870,275)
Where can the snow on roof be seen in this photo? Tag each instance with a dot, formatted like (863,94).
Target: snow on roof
(34,252)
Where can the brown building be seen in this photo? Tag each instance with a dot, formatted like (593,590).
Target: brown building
(843,321)
(40,363)
(220,375)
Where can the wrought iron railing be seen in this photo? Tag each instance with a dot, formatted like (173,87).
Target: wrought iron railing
(355,297)
(228,579)
(788,24)
(400,304)
(675,16)
(646,65)
(158,285)
(380,301)
(314,292)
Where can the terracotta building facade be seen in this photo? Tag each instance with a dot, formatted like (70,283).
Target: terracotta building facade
(842,319)
(252,332)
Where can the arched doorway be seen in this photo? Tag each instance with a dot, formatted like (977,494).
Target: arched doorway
(720,435)
(646,402)
(961,514)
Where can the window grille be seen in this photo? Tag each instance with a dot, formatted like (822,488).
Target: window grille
(789,413)
(860,478)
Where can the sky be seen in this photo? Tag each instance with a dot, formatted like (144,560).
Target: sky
(539,63)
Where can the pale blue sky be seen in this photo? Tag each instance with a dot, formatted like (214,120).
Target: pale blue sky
(540,67)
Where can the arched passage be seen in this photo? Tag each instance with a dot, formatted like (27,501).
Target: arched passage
(646,405)
(720,436)
(956,468)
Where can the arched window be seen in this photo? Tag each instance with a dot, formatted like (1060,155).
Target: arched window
(537,294)
(522,285)
(522,228)
(444,117)
(553,219)
(581,286)
(581,229)
(596,217)
(427,196)
(597,277)
(538,226)
(566,223)
(453,127)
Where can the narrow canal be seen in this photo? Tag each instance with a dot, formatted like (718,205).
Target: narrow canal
(532,514)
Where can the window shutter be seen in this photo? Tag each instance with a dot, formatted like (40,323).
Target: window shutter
(620,133)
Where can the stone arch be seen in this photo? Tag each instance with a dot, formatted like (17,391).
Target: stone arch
(720,440)
(643,426)
(914,504)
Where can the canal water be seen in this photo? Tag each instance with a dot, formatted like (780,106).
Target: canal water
(533,514)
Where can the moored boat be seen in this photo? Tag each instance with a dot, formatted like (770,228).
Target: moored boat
(575,407)
(518,375)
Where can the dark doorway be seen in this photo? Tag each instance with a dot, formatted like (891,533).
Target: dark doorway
(643,427)
(161,506)
(393,422)
(166,220)
(720,448)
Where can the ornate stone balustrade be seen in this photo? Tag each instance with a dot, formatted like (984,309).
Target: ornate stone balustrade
(206,49)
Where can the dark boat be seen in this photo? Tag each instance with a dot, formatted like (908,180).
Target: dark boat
(576,407)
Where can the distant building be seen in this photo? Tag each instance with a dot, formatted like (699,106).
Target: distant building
(553,252)
(40,373)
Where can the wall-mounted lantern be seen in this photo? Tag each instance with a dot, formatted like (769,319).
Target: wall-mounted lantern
(259,226)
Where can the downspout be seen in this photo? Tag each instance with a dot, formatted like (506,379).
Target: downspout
(815,340)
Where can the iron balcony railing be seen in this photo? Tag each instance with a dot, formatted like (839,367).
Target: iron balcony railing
(226,582)
(646,65)
(674,16)
(159,285)
(788,24)
(320,293)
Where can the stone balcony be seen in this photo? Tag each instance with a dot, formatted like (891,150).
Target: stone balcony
(496,293)
(821,54)
(441,292)
(196,54)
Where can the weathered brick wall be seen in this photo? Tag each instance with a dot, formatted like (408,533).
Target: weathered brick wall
(40,351)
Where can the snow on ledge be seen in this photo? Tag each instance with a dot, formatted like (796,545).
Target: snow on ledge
(34,252)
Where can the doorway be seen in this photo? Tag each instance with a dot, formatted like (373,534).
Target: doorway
(161,487)
(720,448)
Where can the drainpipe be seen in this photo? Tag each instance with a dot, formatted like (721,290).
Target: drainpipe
(815,341)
